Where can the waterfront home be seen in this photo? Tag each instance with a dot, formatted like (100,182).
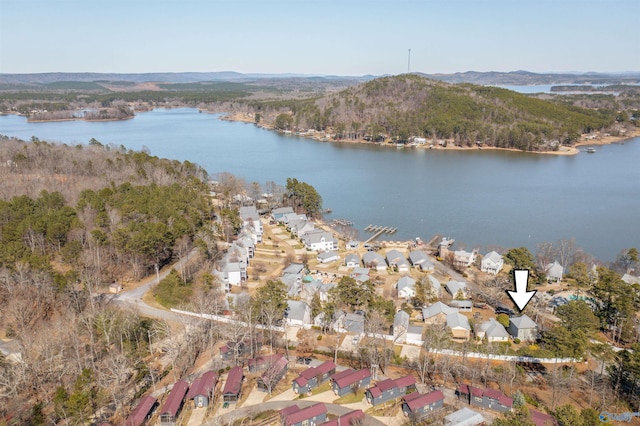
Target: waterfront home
(352,260)
(143,411)
(554,272)
(523,328)
(279,213)
(346,381)
(313,377)
(420,261)
(273,374)
(298,313)
(328,257)
(459,326)
(397,261)
(492,330)
(302,227)
(463,259)
(488,398)
(437,313)
(406,287)
(389,389)
(290,219)
(201,390)
(319,240)
(464,417)
(416,405)
(309,416)
(355,417)
(492,263)
(457,289)
(172,406)
(233,386)
(374,260)
(353,245)
(360,274)
(400,326)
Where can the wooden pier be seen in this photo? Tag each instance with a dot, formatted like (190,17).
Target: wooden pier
(378,230)
(342,222)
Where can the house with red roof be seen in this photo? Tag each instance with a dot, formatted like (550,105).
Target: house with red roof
(309,416)
(142,412)
(273,374)
(171,409)
(313,377)
(233,386)
(345,381)
(390,389)
(492,399)
(352,417)
(416,405)
(201,390)
(263,362)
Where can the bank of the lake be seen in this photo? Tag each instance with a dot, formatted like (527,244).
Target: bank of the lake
(483,198)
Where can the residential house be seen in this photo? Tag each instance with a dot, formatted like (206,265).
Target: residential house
(290,219)
(263,362)
(486,398)
(492,263)
(523,328)
(464,417)
(309,416)
(360,274)
(302,227)
(389,389)
(420,261)
(436,287)
(313,377)
(293,268)
(172,406)
(374,260)
(492,330)
(414,335)
(328,256)
(462,305)
(457,289)
(251,221)
(143,411)
(233,386)
(463,259)
(400,326)
(273,374)
(437,313)
(355,417)
(293,282)
(353,245)
(406,287)
(323,291)
(115,287)
(397,261)
(630,279)
(349,323)
(417,405)
(298,313)
(279,213)
(201,390)
(319,240)
(554,272)
(352,260)
(459,326)
(345,381)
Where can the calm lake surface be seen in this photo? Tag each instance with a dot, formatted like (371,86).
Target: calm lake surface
(483,199)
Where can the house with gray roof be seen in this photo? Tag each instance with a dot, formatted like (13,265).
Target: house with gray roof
(420,261)
(293,268)
(293,282)
(492,330)
(462,305)
(251,221)
(456,288)
(459,326)
(397,261)
(302,227)
(374,260)
(319,240)
(437,313)
(298,313)
(360,274)
(436,287)
(400,326)
(492,263)
(352,260)
(353,244)
(554,272)
(328,256)
(406,287)
(463,259)
(349,323)
(278,214)
(464,417)
(523,328)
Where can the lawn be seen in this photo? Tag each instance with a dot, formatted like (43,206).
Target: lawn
(350,398)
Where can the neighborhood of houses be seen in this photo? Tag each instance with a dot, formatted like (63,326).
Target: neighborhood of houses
(397,270)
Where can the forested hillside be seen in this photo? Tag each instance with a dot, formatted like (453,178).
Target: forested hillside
(410,105)
(72,220)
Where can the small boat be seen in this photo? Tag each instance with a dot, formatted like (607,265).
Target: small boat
(591,150)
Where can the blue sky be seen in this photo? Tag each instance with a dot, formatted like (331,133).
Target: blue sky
(318,37)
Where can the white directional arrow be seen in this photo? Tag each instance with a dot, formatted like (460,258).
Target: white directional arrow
(521,296)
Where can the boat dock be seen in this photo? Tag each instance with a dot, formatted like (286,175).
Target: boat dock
(378,230)
(342,222)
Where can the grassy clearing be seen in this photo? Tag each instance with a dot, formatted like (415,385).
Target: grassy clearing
(350,398)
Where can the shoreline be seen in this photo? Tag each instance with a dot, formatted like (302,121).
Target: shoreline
(562,151)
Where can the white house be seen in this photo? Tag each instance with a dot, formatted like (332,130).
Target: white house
(492,330)
(298,313)
(554,272)
(396,260)
(523,328)
(492,263)
(464,259)
(319,240)
(406,287)
(374,260)
(251,220)
(352,260)
(457,287)
(328,256)
(278,214)
(420,261)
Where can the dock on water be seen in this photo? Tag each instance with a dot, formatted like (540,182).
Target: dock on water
(378,230)
(342,222)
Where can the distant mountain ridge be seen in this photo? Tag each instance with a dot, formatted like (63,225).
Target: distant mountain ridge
(483,78)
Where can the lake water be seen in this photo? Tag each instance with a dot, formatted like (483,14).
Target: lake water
(481,198)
